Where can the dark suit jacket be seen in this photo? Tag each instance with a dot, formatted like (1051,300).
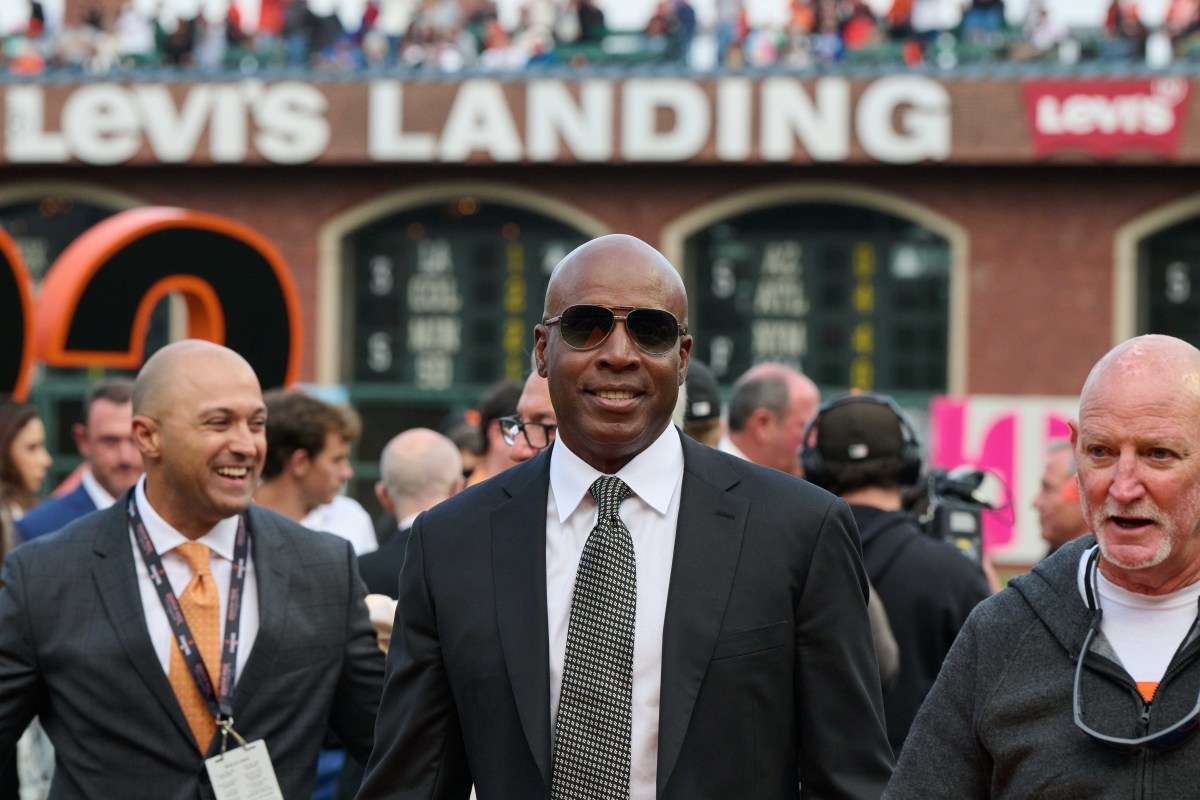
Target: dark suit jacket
(381,569)
(55,513)
(74,650)
(768,671)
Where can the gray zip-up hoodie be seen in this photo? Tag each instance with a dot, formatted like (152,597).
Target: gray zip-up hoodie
(998,721)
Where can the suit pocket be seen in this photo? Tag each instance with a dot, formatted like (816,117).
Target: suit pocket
(753,640)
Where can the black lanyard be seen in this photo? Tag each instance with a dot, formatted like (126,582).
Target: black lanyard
(221,702)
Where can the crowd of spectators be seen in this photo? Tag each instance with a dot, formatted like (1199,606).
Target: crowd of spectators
(448,36)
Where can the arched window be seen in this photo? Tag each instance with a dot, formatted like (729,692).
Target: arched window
(1169,282)
(44,225)
(852,296)
(439,303)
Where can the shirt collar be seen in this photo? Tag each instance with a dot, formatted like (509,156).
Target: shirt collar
(165,538)
(99,495)
(652,474)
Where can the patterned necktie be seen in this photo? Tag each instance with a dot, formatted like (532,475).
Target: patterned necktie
(591,734)
(202,609)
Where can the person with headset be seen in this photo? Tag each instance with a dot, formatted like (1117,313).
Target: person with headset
(864,449)
(1057,503)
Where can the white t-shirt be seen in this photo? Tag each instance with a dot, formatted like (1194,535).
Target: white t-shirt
(345,517)
(1144,630)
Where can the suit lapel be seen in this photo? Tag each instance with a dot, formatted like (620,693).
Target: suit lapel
(270,557)
(519,571)
(708,538)
(116,579)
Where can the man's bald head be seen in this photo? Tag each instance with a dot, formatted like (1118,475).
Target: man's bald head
(1152,357)
(418,469)
(153,390)
(615,245)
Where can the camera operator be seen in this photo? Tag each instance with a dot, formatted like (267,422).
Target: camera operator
(863,449)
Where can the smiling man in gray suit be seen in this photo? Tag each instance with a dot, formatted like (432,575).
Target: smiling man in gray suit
(630,614)
(86,641)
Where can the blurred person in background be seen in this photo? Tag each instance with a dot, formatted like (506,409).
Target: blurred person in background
(308,462)
(24,461)
(863,449)
(500,401)
(1057,503)
(111,461)
(419,468)
(702,417)
(534,426)
(768,408)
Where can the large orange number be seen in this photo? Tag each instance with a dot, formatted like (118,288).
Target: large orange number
(95,302)
(16,321)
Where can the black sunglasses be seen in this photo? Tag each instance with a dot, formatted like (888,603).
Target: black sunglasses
(1162,740)
(653,330)
(537,434)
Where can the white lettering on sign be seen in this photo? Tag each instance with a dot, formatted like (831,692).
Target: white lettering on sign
(433,293)
(26,139)
(386,139)
(734,97)
(1083,114)
(924,132)
(291,123)
(441,334)
(641,138)
(107,123)
(779,338)
(585,127)
(822,126)
(480,121)
(896,119)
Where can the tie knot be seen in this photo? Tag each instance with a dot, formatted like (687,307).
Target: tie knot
(196,555)
(608,492)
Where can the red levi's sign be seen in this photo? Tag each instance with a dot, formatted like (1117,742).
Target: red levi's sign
(1106,118)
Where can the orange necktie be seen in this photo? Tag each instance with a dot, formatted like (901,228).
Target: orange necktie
(202,609)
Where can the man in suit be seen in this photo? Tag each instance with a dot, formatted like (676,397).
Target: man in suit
(769,406)
(745,669)
(418,469)
(112,463)
(87,645)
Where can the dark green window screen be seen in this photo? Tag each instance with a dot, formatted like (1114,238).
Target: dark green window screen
(448,295)
(1169,282)
(853,297)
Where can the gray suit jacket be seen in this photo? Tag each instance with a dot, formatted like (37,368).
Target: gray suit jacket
(74,650)
(768,672)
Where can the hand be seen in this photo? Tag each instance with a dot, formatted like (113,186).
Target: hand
(383,612)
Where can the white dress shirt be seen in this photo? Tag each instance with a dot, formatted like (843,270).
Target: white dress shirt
(650,513)
(220,541)
(99,495)
(345,517)
(726,445)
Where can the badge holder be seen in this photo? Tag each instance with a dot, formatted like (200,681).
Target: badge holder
(243,773)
